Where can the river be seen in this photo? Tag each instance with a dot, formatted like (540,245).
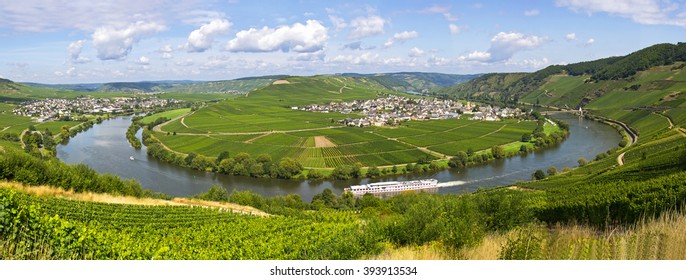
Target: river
(105,149)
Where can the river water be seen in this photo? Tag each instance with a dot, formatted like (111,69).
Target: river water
(105,148)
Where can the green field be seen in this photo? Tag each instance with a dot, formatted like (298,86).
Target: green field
(264,122)
(167,114)
(14,123)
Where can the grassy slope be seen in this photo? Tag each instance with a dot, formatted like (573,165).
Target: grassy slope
(167,114)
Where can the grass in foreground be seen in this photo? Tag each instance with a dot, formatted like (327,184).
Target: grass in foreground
(655,239)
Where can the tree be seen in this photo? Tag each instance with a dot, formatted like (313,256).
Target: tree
(347,200)
(373,171)
(327,197)
(256,170)
(189,158)
(526,137)
(409,167)
(523,149)
(459,160)
(394,169)
(342,172)
(226,165)
(368,200)
(357,170)
(288,168)
(315,174)
(582,161)
(470,151)
(264,158)
(223,155)
(240,170)
(552,171)
(215,193)
(538,175)
(242,158)
(498,152)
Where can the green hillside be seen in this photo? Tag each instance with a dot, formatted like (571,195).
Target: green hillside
(415,81)
(237,86)
(578,84)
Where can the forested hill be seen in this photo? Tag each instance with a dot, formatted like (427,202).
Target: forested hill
(509,87)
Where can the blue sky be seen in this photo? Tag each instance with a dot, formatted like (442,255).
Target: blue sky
(81,41)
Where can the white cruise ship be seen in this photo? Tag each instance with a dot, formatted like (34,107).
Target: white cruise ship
(395,186)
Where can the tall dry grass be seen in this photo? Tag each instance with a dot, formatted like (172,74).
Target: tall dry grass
(663,238)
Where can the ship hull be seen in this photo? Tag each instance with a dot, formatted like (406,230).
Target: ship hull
(391,188)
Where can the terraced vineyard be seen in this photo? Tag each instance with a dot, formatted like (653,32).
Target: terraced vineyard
(120,231)
(265,122)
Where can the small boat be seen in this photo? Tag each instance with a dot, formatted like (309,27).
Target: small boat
(131,157)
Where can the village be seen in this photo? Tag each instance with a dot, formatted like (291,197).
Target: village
(51,109)
(391,110)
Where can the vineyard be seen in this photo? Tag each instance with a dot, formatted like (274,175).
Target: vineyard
(264,122)
(59,228)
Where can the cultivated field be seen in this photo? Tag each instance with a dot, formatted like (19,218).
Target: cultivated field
(265,121)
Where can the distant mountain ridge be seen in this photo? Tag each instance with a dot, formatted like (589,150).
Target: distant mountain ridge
(401,81)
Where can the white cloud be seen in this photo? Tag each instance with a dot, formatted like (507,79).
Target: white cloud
(477,55)
(665,12)
(365,58)
(143,60)
(338,23)
(166,51)
(200,17)
(416,52)
(74,50)
(529,63)
(357,46)
(443,10)
(589,42)
(437,61)
(166,48)
(400,38)
(366,27)
(114,43)
(454,29)
(309,37)
(570,36)
(313,56)
(201,39)
(71,71)
(532,13)
(504,45)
